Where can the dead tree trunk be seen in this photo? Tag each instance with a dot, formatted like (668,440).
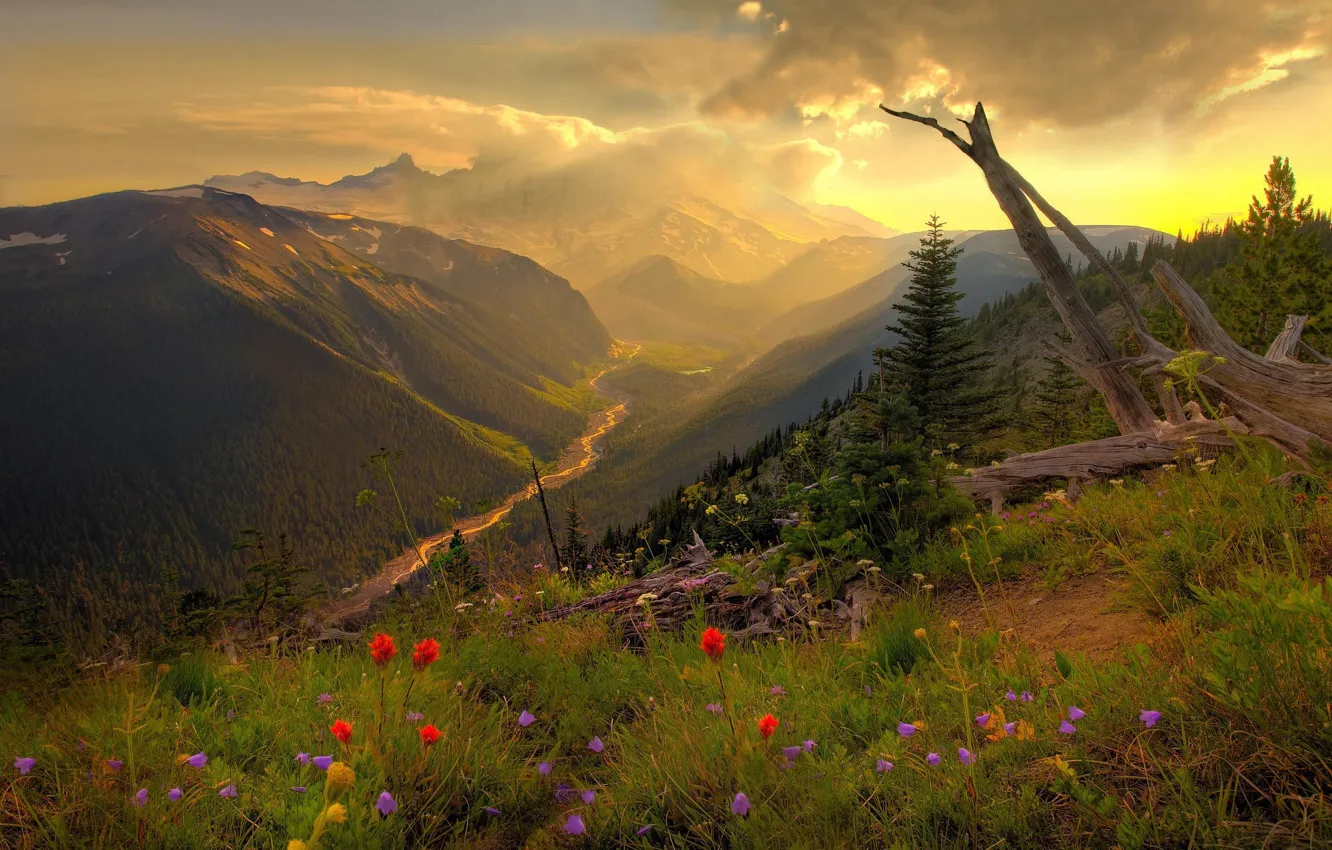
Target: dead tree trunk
(1278,398)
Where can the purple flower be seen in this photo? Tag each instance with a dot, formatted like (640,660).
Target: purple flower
(115,765)
(414,716)
(518,598)
(1010,727)
(526,719)
(322,762)
(175,794)
(714,708)
(508,613)
(197,760)
(809,745)
(574,825)
(933,758)
(1166,533)
(589,796)
(965,756)
(229,791)
(869,691)
(1027,697)
(544,768)
(1067,728)
(1075,713)
(595,744)
(644,830)
(141,797)
(491,810)
(324,698)
(740,805)
(231,715)
(386,805)
(983,719)
(1149,717)
(302,759)
(791,754)
(883,766)
(24,765)
(777,691)
(906,730)
(1005,515)
(563,792)
(1160,493)
(1010,696)
(299,789)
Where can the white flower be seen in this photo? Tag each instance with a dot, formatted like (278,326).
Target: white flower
(813,624)
(461,605)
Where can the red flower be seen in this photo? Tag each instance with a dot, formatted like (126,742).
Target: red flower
(714,643)
(382,649)
(767,725)
(429,734)
(342,730)
(425,653)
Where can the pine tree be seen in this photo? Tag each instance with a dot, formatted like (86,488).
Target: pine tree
(1282,268)
(575,541)
(1054,414)
(936,360)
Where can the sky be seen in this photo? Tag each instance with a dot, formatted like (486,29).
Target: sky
(1136,112)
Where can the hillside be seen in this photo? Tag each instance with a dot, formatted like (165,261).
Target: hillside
(191,363)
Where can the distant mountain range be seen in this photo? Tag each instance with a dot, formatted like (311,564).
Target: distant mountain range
(181,364)
(581,225)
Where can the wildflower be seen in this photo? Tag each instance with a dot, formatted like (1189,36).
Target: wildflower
(231,715)
(1010,696)
(713,644)
(933,758)
(197,760)
(589,796)
(777,691)
(645,600)
(883,766)
(299,789)
(425,653)
(114,765)
(324,698)
(141,797)
(336,813)
(322,762)
(302,759)
(574,825)
(741,499)
(491,810)
(791,754)
(526,719)
(342,730)
(1067,728)
(463,606)
(563,792)
(1075,713)
(1149,717)
(386,805)
(228,792)
(868,691)
(382,649)
(175,794)
(809,745)
(1166,533)
(714,708)
(1027,697)
(414,716)
(983,720)
(595,744)
(1117,481)
(740,805)
(643,830)
(544,768)
(954,625)
(906,730)
(919,634)
(296,844)
(24,765)
(767,724)
(813,624)
(429,734)
(340,777)
(1009,727)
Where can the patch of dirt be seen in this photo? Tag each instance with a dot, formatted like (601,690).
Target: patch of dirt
(1085,613)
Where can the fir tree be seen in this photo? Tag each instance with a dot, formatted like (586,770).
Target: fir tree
(575,540)
(1281,269)
(1054,414)
(936,360)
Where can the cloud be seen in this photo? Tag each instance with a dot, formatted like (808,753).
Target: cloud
(1071,64)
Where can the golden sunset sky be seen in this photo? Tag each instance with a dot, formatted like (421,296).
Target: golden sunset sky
(1143,112)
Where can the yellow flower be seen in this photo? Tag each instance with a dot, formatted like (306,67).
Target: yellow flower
(741,499)
(340,777)
(919,633)
(336,813)
(295,844)
(955,625)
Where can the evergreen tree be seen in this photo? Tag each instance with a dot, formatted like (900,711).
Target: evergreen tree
(1281,268)
(1054,414)
(936,360)
(575,540)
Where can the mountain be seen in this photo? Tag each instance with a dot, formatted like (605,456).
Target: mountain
(506,284)
(585,220)
(658,299)
(180,365)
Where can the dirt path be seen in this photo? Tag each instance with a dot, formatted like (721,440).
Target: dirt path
(579,456)
(1084,613)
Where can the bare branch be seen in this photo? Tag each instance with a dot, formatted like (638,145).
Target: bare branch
(963,146)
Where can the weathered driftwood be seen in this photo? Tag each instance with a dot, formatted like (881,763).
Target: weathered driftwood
(1278,398)
(1288,341)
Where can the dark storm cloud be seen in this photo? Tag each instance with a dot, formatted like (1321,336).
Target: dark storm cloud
(1071,63)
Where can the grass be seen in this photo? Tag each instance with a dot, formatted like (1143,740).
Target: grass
(1239,670)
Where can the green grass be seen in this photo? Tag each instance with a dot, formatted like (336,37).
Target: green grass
(1239,669)
(682,358)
